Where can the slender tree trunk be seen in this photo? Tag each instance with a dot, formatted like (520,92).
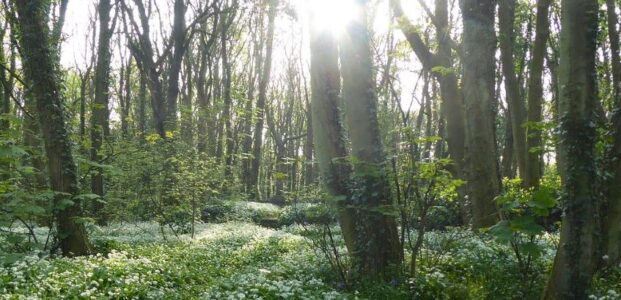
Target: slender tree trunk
(100,129)
(39,69)
(612,224)
(227,115)
(263,85)
(382,250)
(535,95)
(142,106)
(574,261)
(479,42)
(515,101)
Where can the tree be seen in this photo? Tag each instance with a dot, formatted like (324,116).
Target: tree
(479,47)
(100,115)
(38,58)
(374,206)
(612,223)
(574,261)
(260,108)
(535,96)
(515,102)
(328,131)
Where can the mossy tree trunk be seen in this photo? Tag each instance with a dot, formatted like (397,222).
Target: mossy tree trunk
(376,212)
(574,261)
(40,70)
(613,214)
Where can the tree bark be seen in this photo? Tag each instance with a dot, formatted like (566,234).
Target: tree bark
(515,101)
(39,69)
(479,43)
(263,85)
(574,261)
(612,224)
(100,113)
(535,95)
(381,251)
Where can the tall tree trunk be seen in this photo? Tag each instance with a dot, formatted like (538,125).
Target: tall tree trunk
(612,224)
(227,115)
(142,106)
(179,48)
(479,42)
(187,115)
(100,129)
(535,95)
(382,249)
(39,69)
(263,85)
(515,101)
(328,132)
(574,261)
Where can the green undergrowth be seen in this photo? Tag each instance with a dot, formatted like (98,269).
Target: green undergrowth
(242,260)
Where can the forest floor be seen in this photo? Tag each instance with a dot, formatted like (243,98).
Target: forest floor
(242,260)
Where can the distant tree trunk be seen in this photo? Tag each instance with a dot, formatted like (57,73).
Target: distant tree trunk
(227,115)
(309,170)
(479,42)
(507,152)
(257,61)
(263,85)
(125,90)
(382,249)
(142,106)
(612,224)
(5,87)
(186,108)
(515,101)
(100,114)
(39,69)
(203,86)
(178,40)
(535,95)
(574,261)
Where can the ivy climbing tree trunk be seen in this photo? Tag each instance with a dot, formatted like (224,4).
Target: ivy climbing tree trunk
(479,46)
(574,261)
(380,248)
(40,70)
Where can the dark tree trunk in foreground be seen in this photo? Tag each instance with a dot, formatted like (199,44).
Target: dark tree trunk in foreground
(479,43)
(39,69)
(381,249)
(574,261)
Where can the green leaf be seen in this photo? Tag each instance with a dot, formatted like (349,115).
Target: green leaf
(64,203)
(502,232)
(526,225)
(531,249)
